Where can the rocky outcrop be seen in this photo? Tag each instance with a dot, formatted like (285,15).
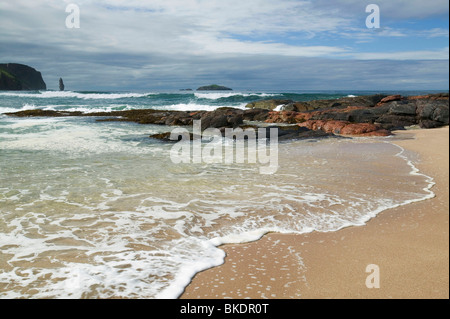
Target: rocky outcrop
(387,113)
(222,117)
(268,104)
(346,128)
(284,133)
(214,87)
(14,77)
(259,115)
(377,115)
(289,105)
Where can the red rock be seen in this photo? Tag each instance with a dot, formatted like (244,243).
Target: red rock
(345,128)
(433,97)
(283,117)
(364,129)
(390,98)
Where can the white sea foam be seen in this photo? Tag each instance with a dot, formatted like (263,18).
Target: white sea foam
(25,107)
(62,135)
(196,107)
(116,107)
(278,108)
(143,229)
(70,94)
(219,95)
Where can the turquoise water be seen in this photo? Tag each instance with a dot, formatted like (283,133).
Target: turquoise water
(98,209)
(183,100)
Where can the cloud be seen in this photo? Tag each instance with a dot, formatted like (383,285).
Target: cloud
(389,9)
(172,43)
(405,55)
(434,33)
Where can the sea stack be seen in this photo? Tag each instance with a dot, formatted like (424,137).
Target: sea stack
(61,84)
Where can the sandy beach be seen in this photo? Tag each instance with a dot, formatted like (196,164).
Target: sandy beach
(409,244)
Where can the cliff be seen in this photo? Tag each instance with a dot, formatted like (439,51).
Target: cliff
(15,77)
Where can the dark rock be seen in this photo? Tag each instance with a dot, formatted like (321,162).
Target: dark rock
(402,108)
(390,98)
(288,105)
(222,117)
(20,77)
(284,133)
(267,104)
(43,113)
(361,101)
(393,113)
(441,114)
(363,115)
(61,84)
(296,132)
(166,137)
(429,124)
(256,115)
(178,118)
(391,122)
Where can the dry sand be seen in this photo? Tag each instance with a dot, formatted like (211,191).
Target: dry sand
(409,244)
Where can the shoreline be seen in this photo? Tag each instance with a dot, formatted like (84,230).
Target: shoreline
(409,243)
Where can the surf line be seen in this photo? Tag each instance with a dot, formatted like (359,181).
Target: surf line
(223,150)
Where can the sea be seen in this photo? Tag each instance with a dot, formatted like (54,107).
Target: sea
(95,209)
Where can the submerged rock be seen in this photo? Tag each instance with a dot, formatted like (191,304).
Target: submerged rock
(283,133)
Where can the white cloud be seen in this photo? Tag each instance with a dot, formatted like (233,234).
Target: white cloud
(390,9)
(434,33)
(442,54)
(149,39)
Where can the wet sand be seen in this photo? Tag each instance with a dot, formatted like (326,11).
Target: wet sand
(409,244)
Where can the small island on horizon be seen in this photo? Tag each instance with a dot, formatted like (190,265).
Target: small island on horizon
(214,87)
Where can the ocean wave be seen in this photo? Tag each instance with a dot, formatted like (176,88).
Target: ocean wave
(196,107)
(118,107)
(25,107)
(79,95)
(221,95)
(139,227)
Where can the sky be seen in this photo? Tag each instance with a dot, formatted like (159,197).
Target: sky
(123,45)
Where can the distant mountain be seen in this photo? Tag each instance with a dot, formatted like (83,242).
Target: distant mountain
(214,87)
(16,77)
